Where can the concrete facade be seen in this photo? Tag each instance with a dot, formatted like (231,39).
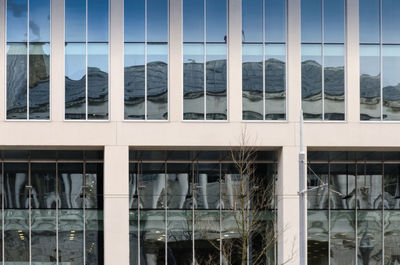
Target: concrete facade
(116,136)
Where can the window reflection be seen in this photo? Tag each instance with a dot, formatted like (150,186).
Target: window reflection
(205,46)
(390,81)
(318,239)
(342,237)
(370,82)
(311,81)
(369,13)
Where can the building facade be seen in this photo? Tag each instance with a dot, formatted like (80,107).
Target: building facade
(116,117)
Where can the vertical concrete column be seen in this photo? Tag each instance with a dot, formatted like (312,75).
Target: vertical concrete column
(175,61)
(57,61)
(352,62)
(116,68)
(116,205)
(235,60)
(293,61)
(2,59)
(288,206)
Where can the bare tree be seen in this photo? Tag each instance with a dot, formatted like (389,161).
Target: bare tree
(249,231)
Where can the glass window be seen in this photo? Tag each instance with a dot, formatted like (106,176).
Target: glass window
(28,59)
(369,21)
(146,60)
(264,60)
(390,22)
(182,212)
(323,30)
(205,60)
(390,81)
(86,60)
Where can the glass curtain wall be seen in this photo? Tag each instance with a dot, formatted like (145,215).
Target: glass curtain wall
(264,59)
(205,59)
(183,205)
(86,59)
(322,59)
(28,60)
(146,59)
(52,207)
(353,208)
(379,60)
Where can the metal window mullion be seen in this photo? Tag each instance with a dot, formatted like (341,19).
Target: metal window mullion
(322,59)
(220,215)
(193,229)
(57,196)
(84,210)
(2,211)
(166,216)
(356,214)
(263,56)
(205,58)
(138,211)
(329,212)
(383,214)
(380,58)
(145,60)
(86,62)
(30,212)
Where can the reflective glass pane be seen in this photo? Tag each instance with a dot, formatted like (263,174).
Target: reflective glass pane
(180,233)
(369,234)
(216,20)
(252,20)
(151,186)
(43,215)
(70,214)
(97,81)
(318,195)
(16,80)
(216,85)
(342,244)
(275,81)
(263,241)
(134,79)
(334,82)
(391,82)
(75,81)
(97,22)
(94,237)
(193,81)
(39,81)
(369,21)
(369,186)
(230,233)
(94,186)
(17,20)
(157,82)
(206,183)
(134,16)
(75,20)
(317,241)
(391,21)
(206,230)
(311,20)
(334,21)
(342,183)
(133,238)
(391,186)
(311,81)
(391,239)
(370,75)
(275,20)
(252,81)
(157,20)
(16,213)
(39,21)
(193,20)
(179,186)
(152,237)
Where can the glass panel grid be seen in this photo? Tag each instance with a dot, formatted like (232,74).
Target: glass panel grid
(86,60)
(28,60)
(146,60)
(264,60)
(205,60)
(362,228)
(323,59)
